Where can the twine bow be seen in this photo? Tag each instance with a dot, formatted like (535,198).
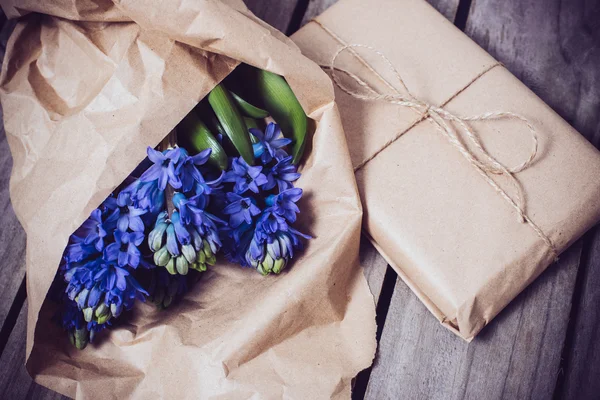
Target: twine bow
(444,121)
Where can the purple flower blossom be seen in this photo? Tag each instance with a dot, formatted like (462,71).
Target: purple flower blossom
(240,209)
(124,249)
(95,283)
(282,174)
(269,250)
(209,187)
(244,176)
(187,172)
(182,234)
(110,276)
(164,167)
(78,250)
(270,223)
(270,144)
(94,229)
(129,215)
(147,196)
(284,204)
(71,317)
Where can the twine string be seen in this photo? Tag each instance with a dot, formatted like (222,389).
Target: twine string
(447,123)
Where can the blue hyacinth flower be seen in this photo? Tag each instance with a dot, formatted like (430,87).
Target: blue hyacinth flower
(273,240)
(163,168)
(284,203)
(282,174)
(125,249)
(94,229)
(187,169)
(244,176)
(240,209)
(129,214)
(145,196)
(270,143)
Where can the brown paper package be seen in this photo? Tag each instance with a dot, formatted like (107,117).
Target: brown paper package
(84,91)
(451,237)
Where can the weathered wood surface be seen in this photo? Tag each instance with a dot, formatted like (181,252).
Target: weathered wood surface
(15,383)
(12,236)
(277,13)
(516,356)
(579,377)
(556,51)
(554,48)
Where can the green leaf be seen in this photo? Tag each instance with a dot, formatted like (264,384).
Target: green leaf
(251,123)
(275,95)
(198,137)
(248,109)
(232,122)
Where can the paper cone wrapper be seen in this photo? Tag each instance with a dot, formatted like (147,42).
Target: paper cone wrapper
(86,86)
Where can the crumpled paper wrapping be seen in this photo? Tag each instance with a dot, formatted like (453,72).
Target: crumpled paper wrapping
(450,236)
(86,86)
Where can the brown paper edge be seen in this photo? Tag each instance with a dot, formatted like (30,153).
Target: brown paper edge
(450,324)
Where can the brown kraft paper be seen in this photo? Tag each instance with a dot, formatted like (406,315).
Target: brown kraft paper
(85,87)
(456,242)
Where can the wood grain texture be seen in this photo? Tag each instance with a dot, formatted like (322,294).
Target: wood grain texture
(12,235)
(374,266)
(582,353)
(276,13)
(315,7)
(15,382)
(446,7)
(515,357)
(554,48)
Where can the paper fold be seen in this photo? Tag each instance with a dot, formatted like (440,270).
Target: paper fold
(83,97)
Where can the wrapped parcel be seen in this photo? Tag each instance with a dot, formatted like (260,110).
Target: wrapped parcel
(471,185)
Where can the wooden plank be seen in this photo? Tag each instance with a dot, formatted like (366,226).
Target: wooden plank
(554,48)
(516,356)
(447,7)
(315,7)
(374,266)
(558,58)
(519,354)
(582,353)
(12,236)
(15,382)
(277,13)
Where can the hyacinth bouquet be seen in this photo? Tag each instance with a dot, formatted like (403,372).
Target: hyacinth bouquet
(219,186)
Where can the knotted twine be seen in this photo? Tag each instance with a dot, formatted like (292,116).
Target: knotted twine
(443,120)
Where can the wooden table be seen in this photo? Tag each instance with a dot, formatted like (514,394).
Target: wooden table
(545,344)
